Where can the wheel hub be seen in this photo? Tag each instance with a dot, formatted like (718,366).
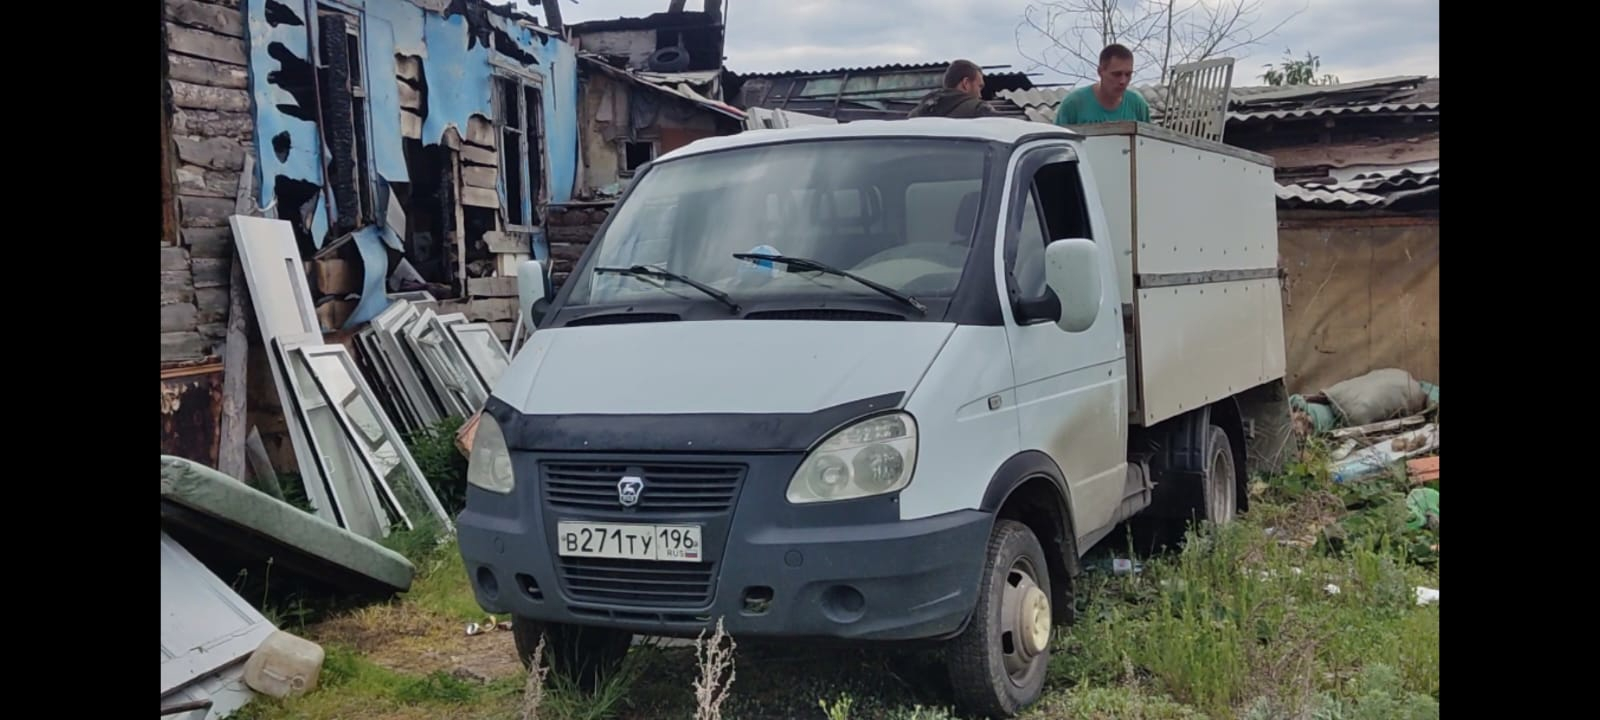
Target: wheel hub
(1035,620)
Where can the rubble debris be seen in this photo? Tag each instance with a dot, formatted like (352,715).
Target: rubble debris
(284,666)
(228,524)
(1379,457)
(1423,470)
(1423,504)
(1367,402)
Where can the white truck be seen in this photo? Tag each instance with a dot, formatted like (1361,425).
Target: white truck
(879,381)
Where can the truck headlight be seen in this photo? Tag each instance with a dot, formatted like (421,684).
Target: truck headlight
(489,465)
(871,457)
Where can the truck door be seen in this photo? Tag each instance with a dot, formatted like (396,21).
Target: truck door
(1070,387)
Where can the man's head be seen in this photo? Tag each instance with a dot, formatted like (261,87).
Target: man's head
(1116,69)
(966,76)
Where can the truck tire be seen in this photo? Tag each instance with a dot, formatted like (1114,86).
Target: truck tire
(587,655)
(997,665)
(1221,481)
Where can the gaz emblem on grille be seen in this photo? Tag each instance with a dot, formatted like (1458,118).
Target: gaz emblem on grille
(628,490)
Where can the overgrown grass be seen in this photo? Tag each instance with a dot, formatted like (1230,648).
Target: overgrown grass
(1302,607)
(1305,608)
(434,449)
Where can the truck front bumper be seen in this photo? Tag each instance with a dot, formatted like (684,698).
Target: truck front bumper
(847,570)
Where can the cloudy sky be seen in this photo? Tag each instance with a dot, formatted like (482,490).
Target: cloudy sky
(1355,39)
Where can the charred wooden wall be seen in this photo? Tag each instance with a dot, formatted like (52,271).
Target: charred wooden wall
(206,127)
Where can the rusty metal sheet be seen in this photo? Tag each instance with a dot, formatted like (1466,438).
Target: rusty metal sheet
(191,412)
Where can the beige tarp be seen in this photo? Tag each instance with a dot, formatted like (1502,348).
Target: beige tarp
(1362,294)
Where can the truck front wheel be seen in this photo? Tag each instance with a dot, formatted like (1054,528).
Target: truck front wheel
(998,664)
(587,655)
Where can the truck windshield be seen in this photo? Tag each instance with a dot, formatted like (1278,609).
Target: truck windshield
(899,212)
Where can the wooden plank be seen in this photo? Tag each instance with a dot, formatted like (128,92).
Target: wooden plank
(204,212)
(458,237)
(213,305)
(179,317)
(211,123)
(208,242)
(206,72)
(408,67)
(180,346)
(213,153)
(235,346)
(207,16)
(452,138)
(208,45)
(506,242)
(200,182)
(410,125)
(480,197)
(484,177)
(334,276)
(174,258)
(210,272)
(488,310)
(479,156)
(410,97)
(481,132)
(503,329)
(492,287)
(177,286)
(205,97)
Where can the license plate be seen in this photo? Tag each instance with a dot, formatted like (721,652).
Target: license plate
(670,543)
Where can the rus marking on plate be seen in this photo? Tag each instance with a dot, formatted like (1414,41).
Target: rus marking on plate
(628,490)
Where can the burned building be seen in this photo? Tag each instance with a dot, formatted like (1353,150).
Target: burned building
(412,144)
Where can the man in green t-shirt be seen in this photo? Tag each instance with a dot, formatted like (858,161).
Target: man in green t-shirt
(1110,100)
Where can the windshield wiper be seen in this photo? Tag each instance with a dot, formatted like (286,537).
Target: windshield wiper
(809,264)
(647,271)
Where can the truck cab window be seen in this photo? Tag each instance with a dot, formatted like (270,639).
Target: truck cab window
(1054,209)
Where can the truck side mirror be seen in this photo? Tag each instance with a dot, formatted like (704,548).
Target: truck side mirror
(1072,270)
(530,288)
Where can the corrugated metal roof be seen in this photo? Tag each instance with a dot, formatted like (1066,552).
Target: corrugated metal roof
(1378,188)
(1266,102)
(1330,111)
(989,70)
(1299,196)
(680,87)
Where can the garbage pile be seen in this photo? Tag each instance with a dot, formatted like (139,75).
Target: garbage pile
(1375,421)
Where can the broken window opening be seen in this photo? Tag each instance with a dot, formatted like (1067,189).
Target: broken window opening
(429,213)
(518,122)
(344,119)
(635,154)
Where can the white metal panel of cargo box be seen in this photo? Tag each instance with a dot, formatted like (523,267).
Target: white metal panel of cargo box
(1199,343)
(1198,210)
(1111,156)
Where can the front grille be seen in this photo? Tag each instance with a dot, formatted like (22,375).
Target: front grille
(688,488)
(631,582)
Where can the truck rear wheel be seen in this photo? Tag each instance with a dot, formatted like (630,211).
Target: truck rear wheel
(587,655)
(997,665)
(1221,482)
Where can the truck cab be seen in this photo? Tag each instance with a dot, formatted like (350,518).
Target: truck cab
(876,381)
